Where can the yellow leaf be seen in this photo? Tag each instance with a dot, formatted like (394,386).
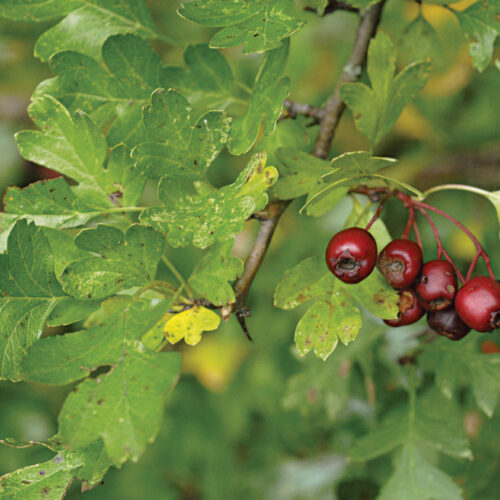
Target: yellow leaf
(190,324)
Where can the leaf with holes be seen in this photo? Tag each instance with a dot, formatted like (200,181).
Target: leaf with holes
(202,220)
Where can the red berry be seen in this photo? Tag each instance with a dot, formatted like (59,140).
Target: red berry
(478,304)
(400,262)
(437,285)
(448,323)
(351,254)
(410,309)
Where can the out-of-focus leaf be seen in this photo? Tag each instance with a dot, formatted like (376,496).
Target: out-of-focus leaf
(213,272)
(265,105)
(190,324)
(207,77)
(258,24)
(87,23)
(420,41)
(376,109)
(201,220)
(124,261)
(460,364)
(184,148)
(480,24)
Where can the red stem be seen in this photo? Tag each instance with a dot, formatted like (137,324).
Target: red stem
(410,223)
(440,249)
(478,245)
(472,265)
(377,213)
(417,234)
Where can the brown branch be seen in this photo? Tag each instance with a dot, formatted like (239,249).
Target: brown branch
(329,118)
(352,70)
(297,108)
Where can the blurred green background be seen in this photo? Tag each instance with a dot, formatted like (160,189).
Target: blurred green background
(242,422)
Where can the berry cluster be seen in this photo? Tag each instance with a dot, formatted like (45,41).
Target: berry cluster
(431,287)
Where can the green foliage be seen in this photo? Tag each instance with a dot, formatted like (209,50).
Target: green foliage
(203,219)
(156,153)
(376,109)
(259,25)
(185,148)
(480,25)
(265,104)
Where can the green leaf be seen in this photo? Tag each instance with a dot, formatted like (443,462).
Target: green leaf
(414,428)
(72,146)
(37,10)
(122,86)
(480,24)
(124,407)
(266,102)
(306,281)
(207,78)
(345,170)
(51,479)
(123,261)
(201,220)
(416,479)
(361,4)
(461,364)
(88,23)
(47,203)
(376,109)
(69,310)
(420,41)
(28,292)
(213,272)
(329,320)
(185,148)
(259,25)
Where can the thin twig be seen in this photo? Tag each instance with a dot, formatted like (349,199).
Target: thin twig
(298,108)
(352,70)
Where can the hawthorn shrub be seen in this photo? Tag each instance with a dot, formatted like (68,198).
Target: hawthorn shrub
(177,141)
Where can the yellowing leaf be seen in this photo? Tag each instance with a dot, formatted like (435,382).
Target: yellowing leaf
(190,324)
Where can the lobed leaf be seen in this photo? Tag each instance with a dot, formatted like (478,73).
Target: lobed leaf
(214,270)
(480,24)
(259,25)
(376,109)
(185,148)
(190,324)
(29,291)
(207,77)
(266,102)
(202,220)
(123,261)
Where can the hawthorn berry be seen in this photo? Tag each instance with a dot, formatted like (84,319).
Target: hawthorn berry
(448,323)
(410,309)
(437,285)
(400,262)
(478,304)
(351,254)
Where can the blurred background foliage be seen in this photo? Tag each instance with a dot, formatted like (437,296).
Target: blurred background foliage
(254,420)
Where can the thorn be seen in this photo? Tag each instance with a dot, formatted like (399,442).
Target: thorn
(240,316)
